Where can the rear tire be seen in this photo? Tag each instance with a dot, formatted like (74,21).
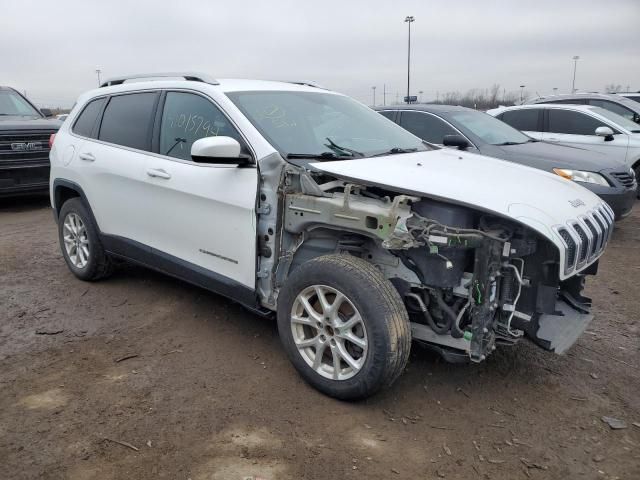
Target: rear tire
(342,308)
(637,170)
(80,242)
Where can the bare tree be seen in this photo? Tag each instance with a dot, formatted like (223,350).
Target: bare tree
(480,99)
(612,88)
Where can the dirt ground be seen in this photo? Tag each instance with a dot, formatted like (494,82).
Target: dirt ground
(209,394)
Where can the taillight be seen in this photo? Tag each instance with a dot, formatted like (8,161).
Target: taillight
(52,137)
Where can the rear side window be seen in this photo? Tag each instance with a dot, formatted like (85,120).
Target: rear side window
(525,119)
(188,117)
(426,126)
(128,120)
(572,123)
(87,119)
(390,114)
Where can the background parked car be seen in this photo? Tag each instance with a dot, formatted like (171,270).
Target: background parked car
(481,133)
(620,104)
(593,128)
(24,144)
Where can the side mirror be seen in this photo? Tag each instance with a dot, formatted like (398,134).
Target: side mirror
(218,150)
(456,141)
(605,132)
(46,112)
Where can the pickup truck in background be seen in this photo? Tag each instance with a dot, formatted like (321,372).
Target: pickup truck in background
(25,132)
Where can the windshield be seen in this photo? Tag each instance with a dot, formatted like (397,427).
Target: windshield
(322,125)
(12,104)
(489,129)
(617,119)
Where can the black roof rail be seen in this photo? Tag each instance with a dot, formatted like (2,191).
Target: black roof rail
(308,84)
(191,76)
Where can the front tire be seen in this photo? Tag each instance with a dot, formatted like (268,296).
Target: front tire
(344,326)
(80,243)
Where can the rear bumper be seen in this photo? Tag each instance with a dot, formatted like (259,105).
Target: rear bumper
(24,179)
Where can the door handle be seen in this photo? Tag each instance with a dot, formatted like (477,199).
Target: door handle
(158,173)
(87,157)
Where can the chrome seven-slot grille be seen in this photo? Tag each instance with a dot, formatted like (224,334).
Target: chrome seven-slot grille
(585,238)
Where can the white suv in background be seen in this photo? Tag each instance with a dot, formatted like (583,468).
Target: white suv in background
(593,128)
(300,202)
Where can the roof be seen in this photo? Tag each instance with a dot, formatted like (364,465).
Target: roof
(425,107)
(564,106)
(620,99)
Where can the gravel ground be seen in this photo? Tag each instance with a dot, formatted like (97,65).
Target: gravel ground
(207,392)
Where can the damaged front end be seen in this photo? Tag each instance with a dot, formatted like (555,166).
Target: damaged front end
(470,280)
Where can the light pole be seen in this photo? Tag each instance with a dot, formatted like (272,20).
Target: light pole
(374,95)
(521,93)
(98,71)
(409,20)
(384,94)
(420,99)
(555,90)
(575,65)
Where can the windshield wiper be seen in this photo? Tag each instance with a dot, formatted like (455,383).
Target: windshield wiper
(334,146)
(395,150)
(509,143)
(316,156)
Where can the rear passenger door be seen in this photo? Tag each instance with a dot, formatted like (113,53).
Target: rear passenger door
(202,213)
(114,162)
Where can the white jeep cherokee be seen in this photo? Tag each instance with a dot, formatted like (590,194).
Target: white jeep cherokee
(293,199)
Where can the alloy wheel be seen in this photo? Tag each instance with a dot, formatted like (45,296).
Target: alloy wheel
(329,332)
(76,240)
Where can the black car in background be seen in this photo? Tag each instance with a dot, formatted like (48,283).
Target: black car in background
(24,144)
(478,132)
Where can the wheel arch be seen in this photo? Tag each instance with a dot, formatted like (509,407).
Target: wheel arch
(64,190)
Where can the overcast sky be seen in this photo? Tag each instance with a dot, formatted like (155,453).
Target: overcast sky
(51,49)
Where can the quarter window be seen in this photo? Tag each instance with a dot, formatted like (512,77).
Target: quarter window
(525,119)
(426,126)
(188,117)
(128,120)
(572,123)
(87,119)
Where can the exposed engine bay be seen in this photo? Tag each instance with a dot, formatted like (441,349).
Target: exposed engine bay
(470,280)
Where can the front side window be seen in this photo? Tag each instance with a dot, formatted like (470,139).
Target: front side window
(617,119)
(525,119)
(321,124)
(615,108)
(572,123)
(128,120)
(87,119)
(188,117)
(489,129)
(13,105)
(426,126)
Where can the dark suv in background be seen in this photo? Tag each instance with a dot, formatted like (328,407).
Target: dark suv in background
(25,132)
